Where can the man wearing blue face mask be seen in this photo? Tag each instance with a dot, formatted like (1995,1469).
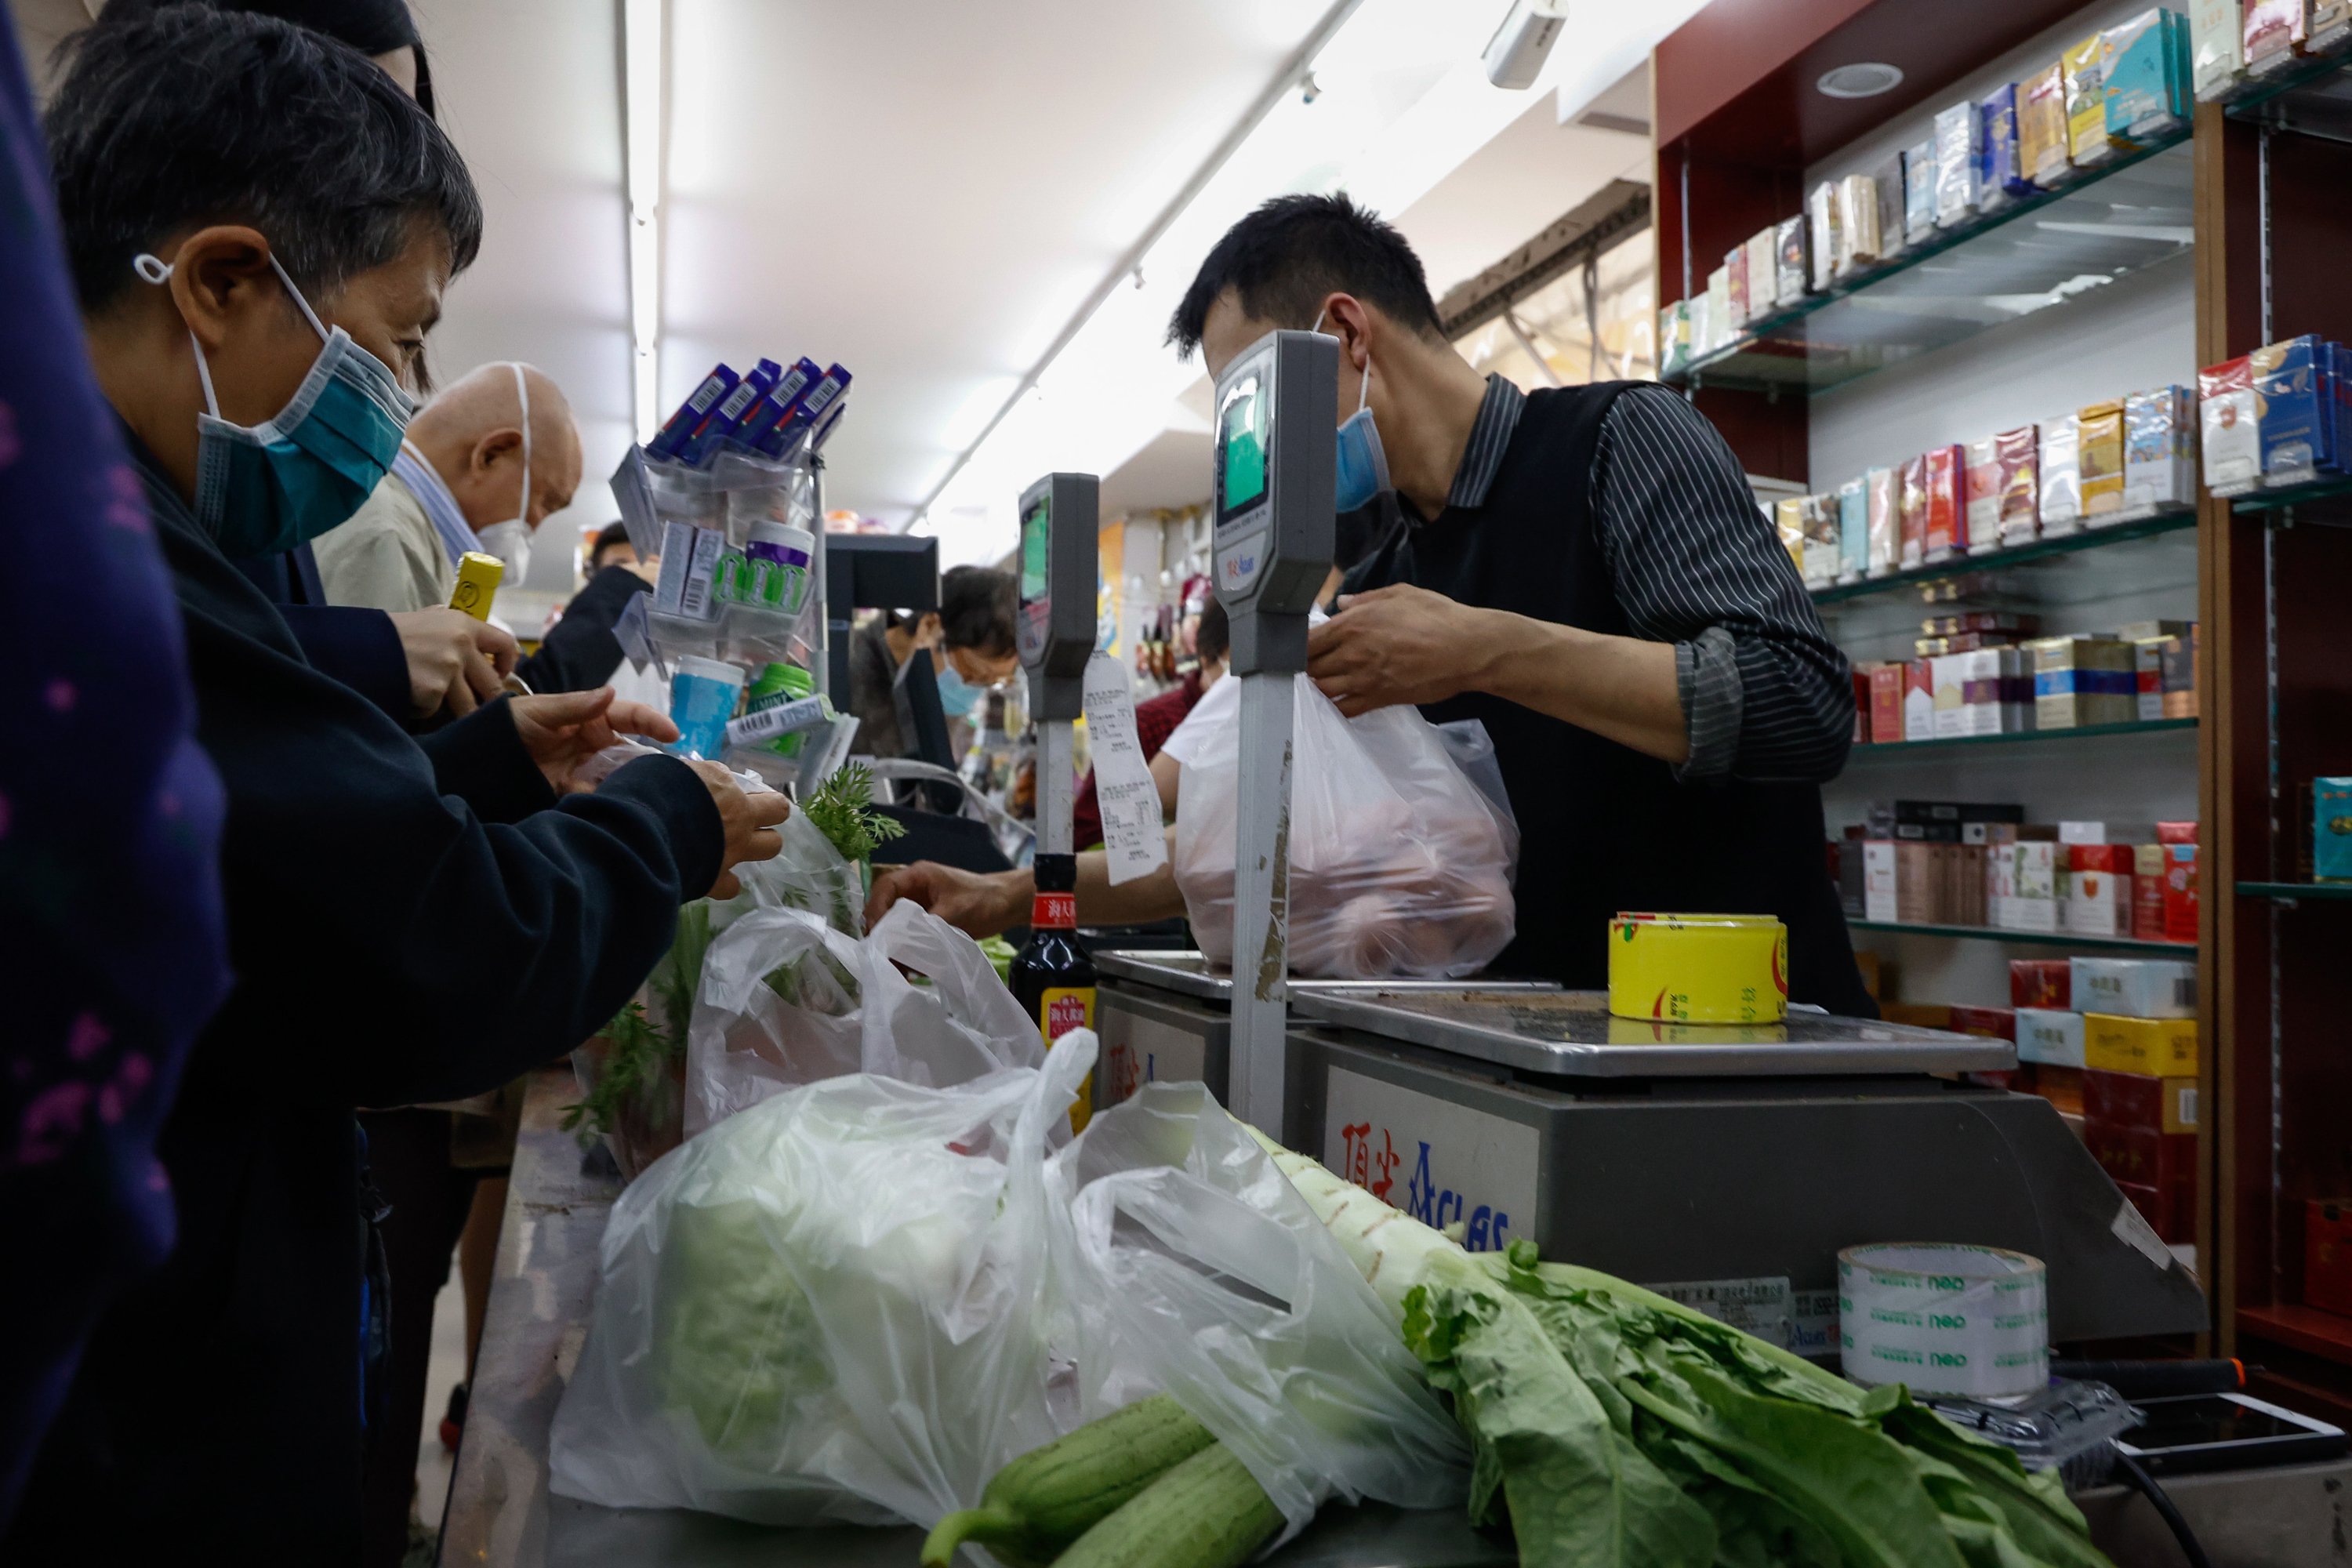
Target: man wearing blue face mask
(260,226)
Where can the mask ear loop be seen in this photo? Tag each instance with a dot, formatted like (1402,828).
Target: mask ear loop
(154,269)
(307,314)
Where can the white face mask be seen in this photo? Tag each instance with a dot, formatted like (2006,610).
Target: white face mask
(510,540)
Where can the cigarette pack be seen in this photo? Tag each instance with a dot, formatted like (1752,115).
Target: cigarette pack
(2046,982)
(2005,621)
(1883,503)
(2331,830)
(2176,833)
(2180,676)
(2217,40)
(2000,179)
(1788,522)
(1948,674)
(1858,220)
(2059,474)
(1915,883)
(2025,887)
(1821,545)
(2080,681)
(1918,701)
(1980,489)
(1854,533)
(2166,1104)
(2274,28)
(1920,191)
(2144,101)
(2148,656)
(1981,712)
(2086,102)
(1735,268)
(2099,895)
(1792,271)
(1674,339)
(1942,476)
(2133,987)
(2016,453)
(1763,272)
(681,425)
(2151,1048)
(2099,458)
(2160,452)
(1879,881)
(2230,426)
(1991,1023)
(2148,892)
(2180,892)
(1822,212)
(1914,493)
(1959,132)
(2295,401)
(2016,692)
(1720,330)
(1887,181)
(2042,126)
(2049,1034)
(1886,702)
(2330,25)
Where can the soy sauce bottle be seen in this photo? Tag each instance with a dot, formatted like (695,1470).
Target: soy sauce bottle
(1052,977)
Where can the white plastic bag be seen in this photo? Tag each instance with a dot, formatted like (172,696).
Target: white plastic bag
(858,1301)
(1400,866)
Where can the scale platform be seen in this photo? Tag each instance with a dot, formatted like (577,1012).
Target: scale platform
(1725,1164)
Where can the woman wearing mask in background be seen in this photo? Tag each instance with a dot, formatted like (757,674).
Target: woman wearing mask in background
(970,639)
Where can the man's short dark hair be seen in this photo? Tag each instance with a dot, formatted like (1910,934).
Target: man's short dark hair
(371,27)
(611,534)
(196,116)
(1285,256)
(976,608)
(1214,634)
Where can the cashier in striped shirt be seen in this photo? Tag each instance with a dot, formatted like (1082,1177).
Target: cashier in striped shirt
(1583,569)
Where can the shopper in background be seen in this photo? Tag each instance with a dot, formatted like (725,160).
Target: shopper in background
(481,467)
(109,827)
(1156,719)
(970,639)
(247,206)
(613,547)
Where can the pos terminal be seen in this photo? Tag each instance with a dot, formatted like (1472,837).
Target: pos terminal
(1275,451)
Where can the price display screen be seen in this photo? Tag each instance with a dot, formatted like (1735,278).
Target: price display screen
(1034,527)
(1241,447)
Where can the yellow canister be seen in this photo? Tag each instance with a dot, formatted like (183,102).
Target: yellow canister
(477,584)
(1699,969)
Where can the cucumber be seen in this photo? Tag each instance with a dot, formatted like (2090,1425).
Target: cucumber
(1049,1497)
(1206,1512)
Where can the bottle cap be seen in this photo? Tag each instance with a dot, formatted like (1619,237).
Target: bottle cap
(710,669)
(784,535)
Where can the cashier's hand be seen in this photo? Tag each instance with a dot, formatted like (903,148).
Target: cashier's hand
(976,903)
(1399,644)
(453,659)
(565,729)
(750,820)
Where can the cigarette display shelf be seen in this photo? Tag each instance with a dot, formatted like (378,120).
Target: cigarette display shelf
(1890,749)
(2041,938)
(2296,892)
(2312,97)
(2016,555)
(2034,254)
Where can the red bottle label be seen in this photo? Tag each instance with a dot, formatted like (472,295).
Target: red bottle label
(1054,911)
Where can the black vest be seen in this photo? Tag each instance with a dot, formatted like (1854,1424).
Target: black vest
(1603,828)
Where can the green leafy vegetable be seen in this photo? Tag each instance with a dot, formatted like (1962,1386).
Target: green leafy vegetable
(842,808)
(638,1055)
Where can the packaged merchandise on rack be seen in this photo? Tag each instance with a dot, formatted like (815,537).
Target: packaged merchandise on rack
(1886,183)
(1919,191)
(1721,327)
(2042,139)
(2274,30)
(2099,460)
(1792,261)
(2145,64)
(1858,220)
(1735,268)
(1942,479)
(1913,494)
(2045,982)
(1674,339)
(2019,454)
(1822,546)
(2081,681)
(2099,889)
(2330,25)
(2217,39)
(2001,179)
(1981,510)
(2229,428)
(2331,830)
(1853,532)
(1884,504)
(2086,102)
(1763,272)
(1701,329)
(1821,217)
(2059,474)
(1960,133)
(2160,452)
(2294,393)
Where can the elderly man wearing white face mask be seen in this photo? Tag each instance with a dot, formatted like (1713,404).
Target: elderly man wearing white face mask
(482,465)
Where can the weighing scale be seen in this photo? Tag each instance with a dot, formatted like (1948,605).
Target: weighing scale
(1055,632)
(1275,482)
(1728,1162)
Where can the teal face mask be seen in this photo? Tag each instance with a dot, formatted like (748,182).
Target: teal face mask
(956,694)
(267,487)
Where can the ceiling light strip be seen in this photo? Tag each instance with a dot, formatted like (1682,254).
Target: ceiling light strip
(1293,71)
(641,67)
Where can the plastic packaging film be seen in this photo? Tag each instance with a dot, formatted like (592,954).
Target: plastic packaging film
(1945,1319)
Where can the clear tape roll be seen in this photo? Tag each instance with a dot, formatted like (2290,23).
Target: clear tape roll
(1945,1319)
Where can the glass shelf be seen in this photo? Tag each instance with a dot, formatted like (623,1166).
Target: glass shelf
(2295,893)
(2279,500)
(2035,254)
(2017,555)
(2043,938)
(1886,750)
(2313,95)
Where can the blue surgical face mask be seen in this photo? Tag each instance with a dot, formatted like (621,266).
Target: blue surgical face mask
(957,695)
(267,487)
(1361,465)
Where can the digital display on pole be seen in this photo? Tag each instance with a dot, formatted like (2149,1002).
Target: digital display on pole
(1034,527)
(1240,449)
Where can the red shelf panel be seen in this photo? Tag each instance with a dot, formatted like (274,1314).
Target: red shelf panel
(2306,1329)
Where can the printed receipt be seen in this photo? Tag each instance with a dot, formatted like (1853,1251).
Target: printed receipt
(1133,839)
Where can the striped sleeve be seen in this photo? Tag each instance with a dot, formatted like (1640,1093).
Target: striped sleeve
(1766,694)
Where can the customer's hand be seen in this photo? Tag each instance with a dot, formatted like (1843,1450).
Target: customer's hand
(979,904)
(564,729)
(453,659)
(751,821)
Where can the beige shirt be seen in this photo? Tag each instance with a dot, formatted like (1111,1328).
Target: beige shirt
(388,556)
